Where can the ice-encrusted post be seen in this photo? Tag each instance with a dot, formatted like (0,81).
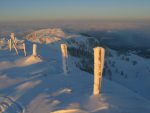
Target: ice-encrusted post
(34,50)
(10,44)
(64,57)
(24,49)
(14,42)
(0,46)
(15,48)
(99,54)
(12,36)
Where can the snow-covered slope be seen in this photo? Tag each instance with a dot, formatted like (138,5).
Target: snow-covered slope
(125,68)
(129,70)
(41,86)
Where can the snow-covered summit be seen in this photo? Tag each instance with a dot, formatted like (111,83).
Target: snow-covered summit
(47,35)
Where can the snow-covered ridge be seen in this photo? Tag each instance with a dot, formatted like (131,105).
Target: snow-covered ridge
(125,68)
(47,35)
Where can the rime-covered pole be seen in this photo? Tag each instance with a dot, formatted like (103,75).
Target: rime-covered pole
(0,46)
(12,36)
(64,57)
(24,49)
(13,40)
(99,54)
(10,44)
(15,48)
(34,50)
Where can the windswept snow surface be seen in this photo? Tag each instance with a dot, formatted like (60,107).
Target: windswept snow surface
(41,86)
(130,70)
(125,68)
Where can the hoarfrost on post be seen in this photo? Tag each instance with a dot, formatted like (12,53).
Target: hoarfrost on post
(24,49)
(98,69)
(34,50)
(64,57)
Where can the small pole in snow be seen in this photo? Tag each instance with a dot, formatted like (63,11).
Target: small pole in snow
(14,42)
(10,44)
(15,48)
(99,54)
(64,57)
(24,49)
(34,50)
(12,36)
(0,44)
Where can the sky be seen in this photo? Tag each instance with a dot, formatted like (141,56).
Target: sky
(30,10)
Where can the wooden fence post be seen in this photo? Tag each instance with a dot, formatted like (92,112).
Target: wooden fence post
(15,48)
(13,40)
(10,44)
(0,46)
(24,49)
(12,36)
(64,57)
(99,54)
(34,50)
